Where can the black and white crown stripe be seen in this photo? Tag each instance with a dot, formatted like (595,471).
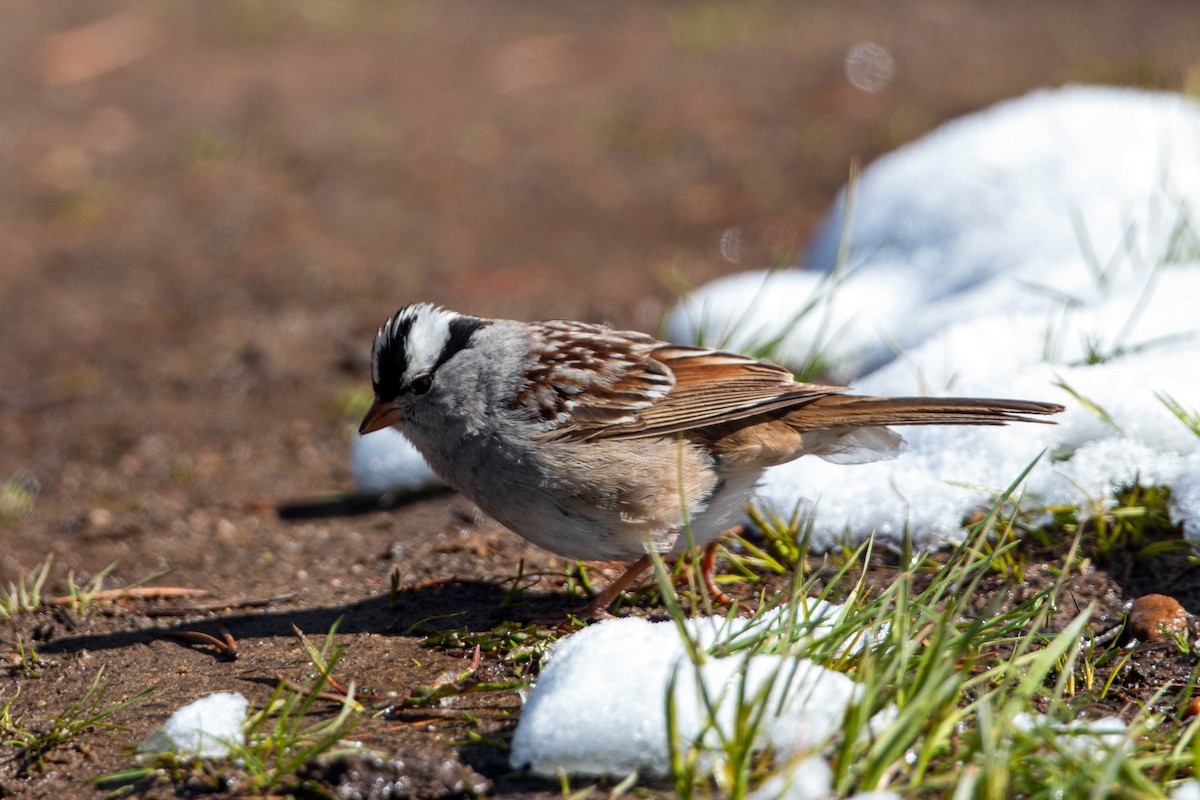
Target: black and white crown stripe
(418,339)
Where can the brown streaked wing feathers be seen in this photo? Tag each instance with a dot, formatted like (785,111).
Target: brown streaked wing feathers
(748,387)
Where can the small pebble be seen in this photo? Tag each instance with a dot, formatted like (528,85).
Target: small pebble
(225,530)
(1154,617)
(1192,708)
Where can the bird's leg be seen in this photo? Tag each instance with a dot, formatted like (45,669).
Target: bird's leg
(598,607)
(708,566)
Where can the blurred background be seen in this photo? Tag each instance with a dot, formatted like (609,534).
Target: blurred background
(208,206)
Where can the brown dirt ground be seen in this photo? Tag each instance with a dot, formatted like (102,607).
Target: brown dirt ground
(207,208)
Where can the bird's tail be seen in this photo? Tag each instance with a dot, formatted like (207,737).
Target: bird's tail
(852,430)
(848,411)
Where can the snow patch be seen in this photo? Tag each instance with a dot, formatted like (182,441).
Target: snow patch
(1053,239)
(207,728)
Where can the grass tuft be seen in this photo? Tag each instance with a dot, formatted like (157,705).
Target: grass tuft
(282,739)
(962,692)
(17,496)
(25,594)
(1189,417)
(35,743)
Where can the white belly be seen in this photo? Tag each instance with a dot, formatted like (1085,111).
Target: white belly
(597,503)
(724,510)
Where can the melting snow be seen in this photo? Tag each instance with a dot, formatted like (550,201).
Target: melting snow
(1054,238)
(612,678)
(385,461)
(206,728)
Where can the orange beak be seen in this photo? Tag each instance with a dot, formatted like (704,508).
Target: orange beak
(382,415)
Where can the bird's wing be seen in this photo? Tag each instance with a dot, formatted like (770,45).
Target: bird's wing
(591,382)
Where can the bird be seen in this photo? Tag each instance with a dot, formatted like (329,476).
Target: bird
(606,445)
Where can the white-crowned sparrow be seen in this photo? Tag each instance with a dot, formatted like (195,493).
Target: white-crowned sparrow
(600,444)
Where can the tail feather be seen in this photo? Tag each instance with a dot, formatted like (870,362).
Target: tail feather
(848,411)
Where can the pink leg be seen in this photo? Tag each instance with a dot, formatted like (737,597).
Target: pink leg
(598,607)
(708,565)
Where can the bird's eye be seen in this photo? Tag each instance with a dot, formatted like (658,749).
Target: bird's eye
(421,384)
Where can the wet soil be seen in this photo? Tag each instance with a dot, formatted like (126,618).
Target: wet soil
(208,207)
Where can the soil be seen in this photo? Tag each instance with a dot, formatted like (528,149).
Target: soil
(208,207)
